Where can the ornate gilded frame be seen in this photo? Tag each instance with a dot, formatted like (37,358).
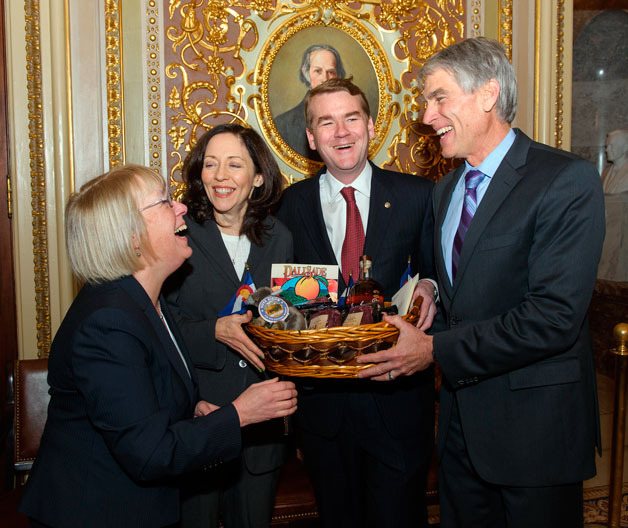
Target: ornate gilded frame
(387,86)
(38,177)
(218,56)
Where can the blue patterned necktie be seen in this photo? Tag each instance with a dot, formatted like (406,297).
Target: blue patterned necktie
(471,180)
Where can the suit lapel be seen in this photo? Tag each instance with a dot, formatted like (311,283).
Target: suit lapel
(440,213)
(381,206)
(505,179)
(137,293)
(259,259)
(311,212)
(209,243)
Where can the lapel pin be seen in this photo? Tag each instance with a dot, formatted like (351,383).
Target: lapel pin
(387,205)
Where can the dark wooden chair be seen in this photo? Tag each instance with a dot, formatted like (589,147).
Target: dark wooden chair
(28,396)
(295,505)
(30,409)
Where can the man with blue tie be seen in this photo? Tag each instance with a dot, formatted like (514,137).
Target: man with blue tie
(519,230)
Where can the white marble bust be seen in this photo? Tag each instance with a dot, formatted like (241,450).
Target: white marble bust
(614,261)
(615,175)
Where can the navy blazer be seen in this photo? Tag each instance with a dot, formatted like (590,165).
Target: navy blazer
(400,223)
(200,289)
(120,423)
(517,355)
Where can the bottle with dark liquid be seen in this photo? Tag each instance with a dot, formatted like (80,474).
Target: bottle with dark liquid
(365,298)
(366,289)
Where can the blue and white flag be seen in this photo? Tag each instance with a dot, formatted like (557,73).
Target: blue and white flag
(407,275)
(237,304)
(343,298)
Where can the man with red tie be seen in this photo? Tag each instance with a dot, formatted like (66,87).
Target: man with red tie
(519,230)
(367,445)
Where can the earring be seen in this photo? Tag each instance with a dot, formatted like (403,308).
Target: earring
(138,253)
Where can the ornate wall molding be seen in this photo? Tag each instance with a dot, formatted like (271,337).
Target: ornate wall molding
(219,56)
(560,58)
(475,20)
(505,25)
(114,76)
(38,176)
(154,75)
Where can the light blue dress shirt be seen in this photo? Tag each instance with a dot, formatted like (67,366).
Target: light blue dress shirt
(489,166)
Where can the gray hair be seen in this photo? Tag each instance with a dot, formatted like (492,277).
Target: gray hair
(473,62)
(304,72)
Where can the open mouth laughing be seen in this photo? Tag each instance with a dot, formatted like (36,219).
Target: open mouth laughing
(442,131)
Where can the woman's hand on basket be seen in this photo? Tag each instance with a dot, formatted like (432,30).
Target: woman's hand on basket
(229,331)
(266,400)
(412,353)
(425,289)
(203,408)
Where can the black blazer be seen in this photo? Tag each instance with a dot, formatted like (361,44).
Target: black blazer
(518,354)
(400,224)
(200,289)
(120,424)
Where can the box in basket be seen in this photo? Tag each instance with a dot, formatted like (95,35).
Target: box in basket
(303,284)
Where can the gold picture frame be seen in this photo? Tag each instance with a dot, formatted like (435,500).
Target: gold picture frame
(364,59)
(219,58)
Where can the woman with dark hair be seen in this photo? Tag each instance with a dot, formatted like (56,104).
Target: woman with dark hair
(233,181)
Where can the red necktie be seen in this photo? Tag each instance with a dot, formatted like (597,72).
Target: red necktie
(353,245)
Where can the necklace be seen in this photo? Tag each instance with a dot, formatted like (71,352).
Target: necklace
(234,257)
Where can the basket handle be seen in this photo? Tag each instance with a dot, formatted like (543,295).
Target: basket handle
(415,310)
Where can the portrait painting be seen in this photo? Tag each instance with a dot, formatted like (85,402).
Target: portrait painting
(307,58)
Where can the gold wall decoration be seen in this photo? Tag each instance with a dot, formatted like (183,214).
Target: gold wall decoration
(115,95)
(38,176)
(154,84)
(505,25)
(219,60)
(475,8)
(351,39)
(560,57)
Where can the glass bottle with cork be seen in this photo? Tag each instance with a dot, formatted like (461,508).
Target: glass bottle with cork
(365,297)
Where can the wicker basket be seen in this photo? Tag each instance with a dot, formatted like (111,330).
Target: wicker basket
(324,353)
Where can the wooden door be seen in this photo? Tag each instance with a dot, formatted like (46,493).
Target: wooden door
(8,328)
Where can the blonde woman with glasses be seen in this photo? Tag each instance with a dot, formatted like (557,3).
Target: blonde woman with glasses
(124,417)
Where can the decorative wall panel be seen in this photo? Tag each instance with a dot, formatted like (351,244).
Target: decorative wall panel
(240,61)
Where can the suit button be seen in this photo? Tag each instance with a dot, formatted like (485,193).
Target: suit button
(242,363)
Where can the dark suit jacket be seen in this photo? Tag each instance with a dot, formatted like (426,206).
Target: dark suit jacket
(200,289)
(517,354)
(399,224)
(120,421)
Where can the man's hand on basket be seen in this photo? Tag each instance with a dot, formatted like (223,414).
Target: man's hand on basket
(425,289)
(229,331)
(412,353)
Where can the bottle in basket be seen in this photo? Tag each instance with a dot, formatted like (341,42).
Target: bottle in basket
(365,298)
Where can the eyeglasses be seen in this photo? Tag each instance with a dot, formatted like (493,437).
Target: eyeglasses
(167,199)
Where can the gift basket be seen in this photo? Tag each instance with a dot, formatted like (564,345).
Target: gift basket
(325,352)
(303,334)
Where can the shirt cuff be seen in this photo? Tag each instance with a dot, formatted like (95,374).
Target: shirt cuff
(436,293)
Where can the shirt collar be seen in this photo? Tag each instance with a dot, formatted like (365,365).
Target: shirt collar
(361,184)
(492,162)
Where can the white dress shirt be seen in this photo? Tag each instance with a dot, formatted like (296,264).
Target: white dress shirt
(335,207)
